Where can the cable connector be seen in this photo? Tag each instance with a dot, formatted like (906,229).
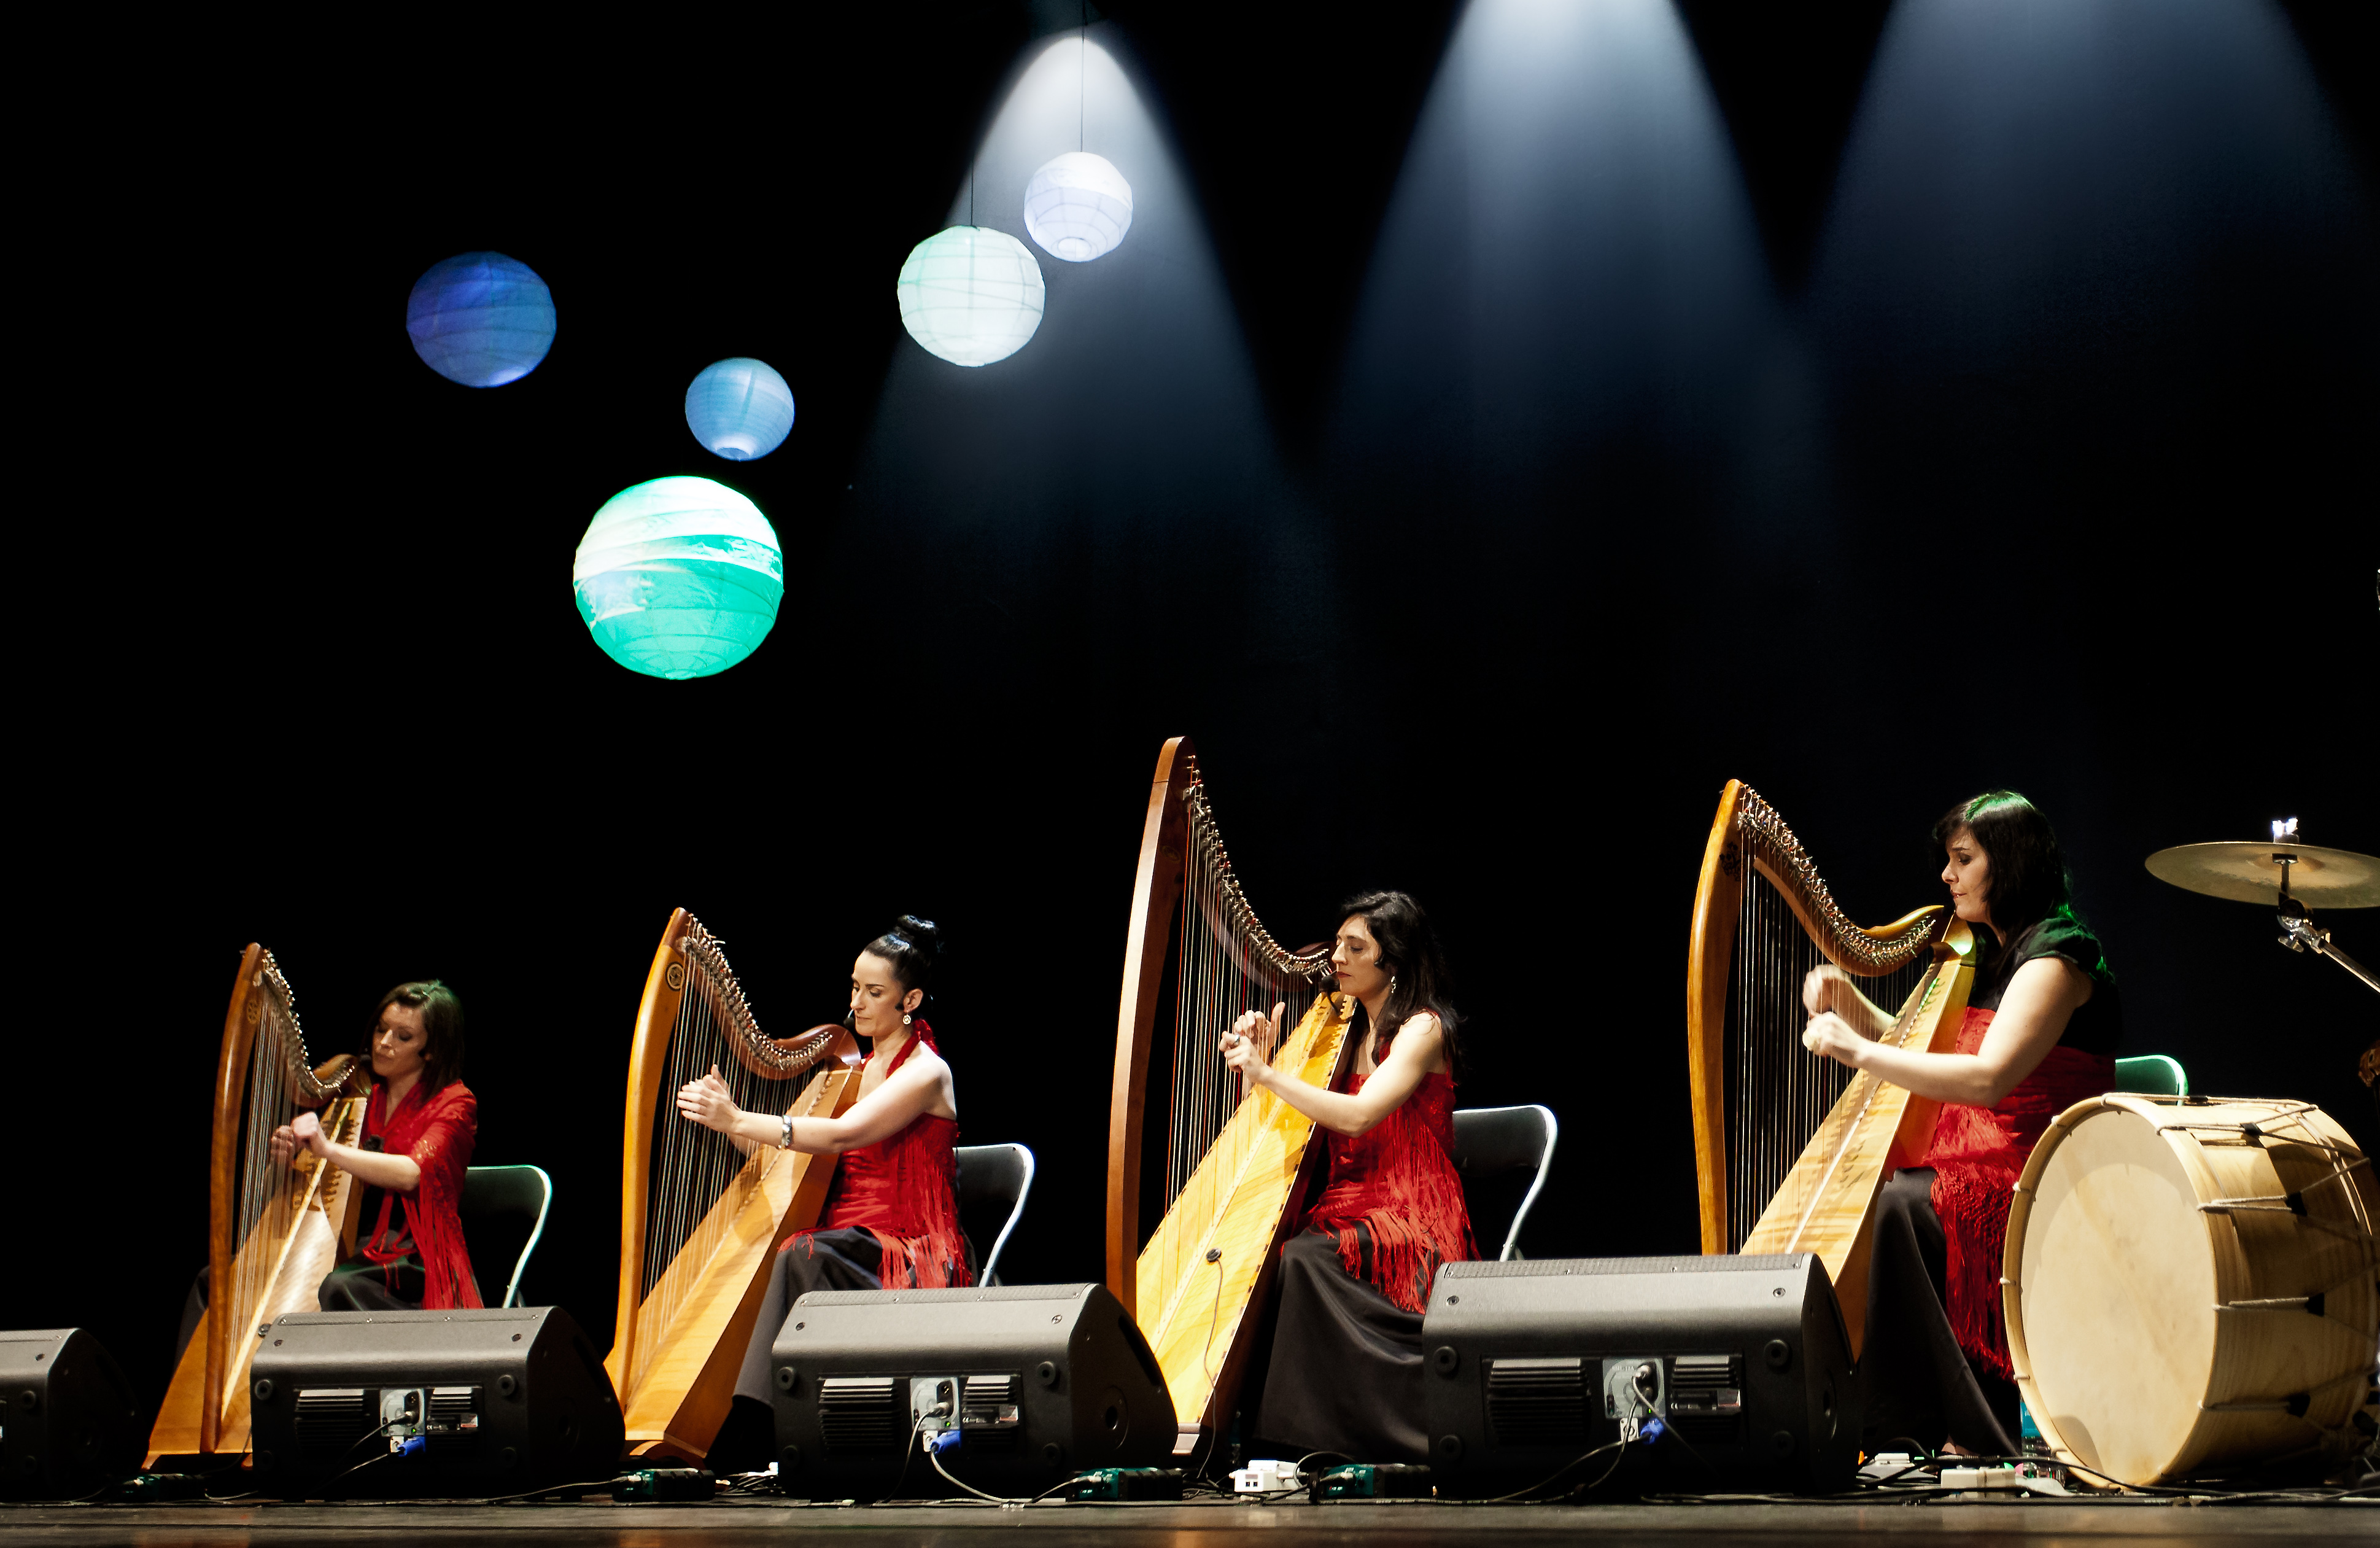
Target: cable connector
(1267,1476)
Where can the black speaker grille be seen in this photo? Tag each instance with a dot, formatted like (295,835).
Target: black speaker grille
(331,1422)
(858,1413)
(1522,1268)
(1538,1402)
(455,1406)
(981,1409)
(1706,1394)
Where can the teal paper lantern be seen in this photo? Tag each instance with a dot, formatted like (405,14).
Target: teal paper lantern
(739,409)
(679,578)
(481,318)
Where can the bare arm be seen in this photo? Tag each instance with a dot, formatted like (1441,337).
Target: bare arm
(2040,1000)
(398,1174)
(914,1088)
(1418,1049)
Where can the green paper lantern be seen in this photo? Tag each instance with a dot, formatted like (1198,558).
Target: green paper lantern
(679,578)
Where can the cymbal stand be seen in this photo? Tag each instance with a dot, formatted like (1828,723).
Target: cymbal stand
(2301,934)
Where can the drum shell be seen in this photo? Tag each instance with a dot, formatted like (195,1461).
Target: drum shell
(2127,1283)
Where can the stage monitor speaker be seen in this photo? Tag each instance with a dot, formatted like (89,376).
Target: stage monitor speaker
(1744,1359)
(383,1404)
(68,1421)
(1040,1380)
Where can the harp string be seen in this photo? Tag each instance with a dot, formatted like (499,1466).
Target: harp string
(1779,1094)
(1225,964)
(693,1171)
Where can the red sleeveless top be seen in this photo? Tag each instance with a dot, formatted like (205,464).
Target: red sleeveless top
(904,1192)
(1397,1181)
(1977,1154)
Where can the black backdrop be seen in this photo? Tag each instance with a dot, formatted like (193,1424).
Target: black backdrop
(1918,413)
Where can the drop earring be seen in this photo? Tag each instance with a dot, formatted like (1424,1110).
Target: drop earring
(905,1018)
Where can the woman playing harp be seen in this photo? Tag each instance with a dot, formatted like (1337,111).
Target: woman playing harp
(2039,1035)
(418,1129)
(892,1214)
(1346,1369)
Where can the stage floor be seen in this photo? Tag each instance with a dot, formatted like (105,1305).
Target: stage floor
(2121,1523)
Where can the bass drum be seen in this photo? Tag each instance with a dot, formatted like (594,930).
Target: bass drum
(2190,1287)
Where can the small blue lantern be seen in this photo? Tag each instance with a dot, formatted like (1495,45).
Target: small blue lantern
(481,318)
(679,578)
(740,408)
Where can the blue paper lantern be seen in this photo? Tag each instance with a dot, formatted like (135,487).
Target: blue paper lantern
(481,318)
(740,408)
(679,578)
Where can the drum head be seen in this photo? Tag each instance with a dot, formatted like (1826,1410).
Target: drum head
(2117,1293)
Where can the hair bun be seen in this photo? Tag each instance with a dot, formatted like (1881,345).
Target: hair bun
(925,934)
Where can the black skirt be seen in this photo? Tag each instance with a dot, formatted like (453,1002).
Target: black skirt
(1921,1385)
(822,1261)
(1345,1375)
(361,1285)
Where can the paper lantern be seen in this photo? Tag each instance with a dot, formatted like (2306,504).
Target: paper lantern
(970,295)
(739,409)
(679,578)
(481,318)
(1078,206)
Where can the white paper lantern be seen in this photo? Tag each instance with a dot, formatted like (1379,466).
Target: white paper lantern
(1077,206)
(970,295)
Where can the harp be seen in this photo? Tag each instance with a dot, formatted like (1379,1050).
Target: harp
(1234,1171)
(1790,1150)
(273,1231)
(700,1217)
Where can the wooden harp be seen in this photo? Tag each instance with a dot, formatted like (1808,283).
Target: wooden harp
(273,1231)
(700,1216)
(1791,1149)
(1235,1171)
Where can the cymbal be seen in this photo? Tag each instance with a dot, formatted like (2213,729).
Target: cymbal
(2252,873)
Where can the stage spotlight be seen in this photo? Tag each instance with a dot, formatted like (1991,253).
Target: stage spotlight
(481,318)
(970,295)
(739,409)
(679,578)
(1077,206)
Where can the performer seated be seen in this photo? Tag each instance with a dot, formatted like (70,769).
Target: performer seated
(1345,1374)
(418,1130)
(891,1212)
(2040,1035)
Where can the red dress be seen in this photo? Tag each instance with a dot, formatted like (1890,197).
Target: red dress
(1396,1184)
(904,1192)
(1977,1154)
(437,1129)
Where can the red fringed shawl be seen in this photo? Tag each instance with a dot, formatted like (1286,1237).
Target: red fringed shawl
(1977,1154)
(437,1129)
(1398,1181)
(904,1192)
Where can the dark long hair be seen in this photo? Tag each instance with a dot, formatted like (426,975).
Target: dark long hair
(911,946)
(442,1030)
(1412,953)
(2029,879)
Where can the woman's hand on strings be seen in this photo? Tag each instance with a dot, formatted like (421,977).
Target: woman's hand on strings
(706,1102)
(1831,1037)
(1827,987)
(1247,1047)
(285,1145)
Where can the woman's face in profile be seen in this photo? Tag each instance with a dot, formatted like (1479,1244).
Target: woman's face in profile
(1355,959)
(1967,872)
(875,997)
